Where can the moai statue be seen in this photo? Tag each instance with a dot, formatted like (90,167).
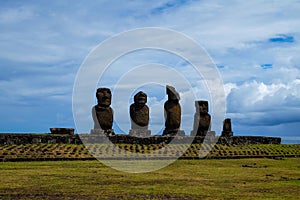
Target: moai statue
(102,113)
(227,130)
(202,120)
(172,113)
(139,114)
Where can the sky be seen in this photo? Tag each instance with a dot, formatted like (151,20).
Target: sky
(254,44)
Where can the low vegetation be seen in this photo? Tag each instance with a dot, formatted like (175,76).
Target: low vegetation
(45,151)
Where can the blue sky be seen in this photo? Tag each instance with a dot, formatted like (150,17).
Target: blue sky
(255,45)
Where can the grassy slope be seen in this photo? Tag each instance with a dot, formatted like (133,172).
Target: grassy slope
(69,151)
(184,179)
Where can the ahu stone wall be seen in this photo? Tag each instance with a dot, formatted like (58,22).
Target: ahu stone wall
(89,138)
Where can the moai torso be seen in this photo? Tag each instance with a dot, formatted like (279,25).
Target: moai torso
(227,130)
(102,112)
(172,113)
(202,120)
(139,112)
(104,118)
(227,125)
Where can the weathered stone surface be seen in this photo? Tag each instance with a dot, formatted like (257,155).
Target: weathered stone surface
(126,139)
(227,130)
(249,140)
(108,132)
(172,112)
(202,120)
(139,112)
(38,138)
(140,133)
(102,113)
(8,138)
(64,131)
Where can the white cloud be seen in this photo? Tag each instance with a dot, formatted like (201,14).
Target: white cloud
(228,88)
(257,103)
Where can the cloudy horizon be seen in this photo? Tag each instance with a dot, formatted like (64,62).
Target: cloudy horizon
(255,46)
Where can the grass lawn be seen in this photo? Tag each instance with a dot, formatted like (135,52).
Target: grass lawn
(255,178)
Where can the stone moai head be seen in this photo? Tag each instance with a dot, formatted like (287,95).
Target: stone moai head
(201,106)
(227,125)
(173,95)
(140,99)
(104,97)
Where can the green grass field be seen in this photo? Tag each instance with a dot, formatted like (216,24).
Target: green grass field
(255,178)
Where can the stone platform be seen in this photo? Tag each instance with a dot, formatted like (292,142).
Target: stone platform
(7,138)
